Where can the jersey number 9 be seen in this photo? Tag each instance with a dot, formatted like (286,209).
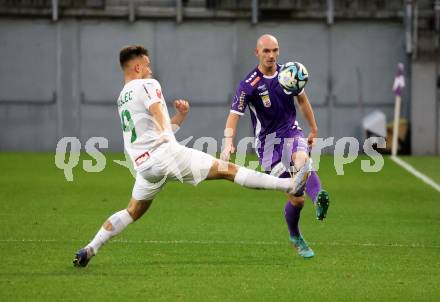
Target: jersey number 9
(128,124)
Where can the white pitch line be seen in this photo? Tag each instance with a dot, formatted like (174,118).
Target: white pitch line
(208,242)
(416,173)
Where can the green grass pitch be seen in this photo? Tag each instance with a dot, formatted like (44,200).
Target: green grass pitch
(218,241)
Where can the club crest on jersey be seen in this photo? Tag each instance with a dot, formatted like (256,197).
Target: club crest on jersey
(265,98)
(159,93)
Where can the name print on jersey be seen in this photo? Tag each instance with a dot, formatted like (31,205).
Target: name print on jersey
(128,96)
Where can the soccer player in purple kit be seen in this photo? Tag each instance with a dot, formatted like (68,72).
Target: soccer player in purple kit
(279,139)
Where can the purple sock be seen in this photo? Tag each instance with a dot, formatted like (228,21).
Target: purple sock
(292,214)
(313,186)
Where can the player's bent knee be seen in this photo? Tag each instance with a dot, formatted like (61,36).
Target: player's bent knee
(231,171)
(107,226)
(299,158)
(296,200)
(137,208)
(300,155)
(222,169)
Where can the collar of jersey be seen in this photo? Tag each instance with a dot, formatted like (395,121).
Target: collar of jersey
(272,76)
(268,77)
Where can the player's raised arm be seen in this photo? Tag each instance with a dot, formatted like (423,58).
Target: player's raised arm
(160,120)
(238,107)
(230,133)
(158,114)
(306,109)
(182,109)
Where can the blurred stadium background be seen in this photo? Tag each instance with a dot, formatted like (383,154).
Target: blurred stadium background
(59,73)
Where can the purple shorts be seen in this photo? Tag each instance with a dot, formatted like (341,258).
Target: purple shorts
(279,150)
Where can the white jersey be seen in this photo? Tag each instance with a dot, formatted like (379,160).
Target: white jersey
(138,126)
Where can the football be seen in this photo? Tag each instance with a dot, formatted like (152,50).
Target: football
(293,76)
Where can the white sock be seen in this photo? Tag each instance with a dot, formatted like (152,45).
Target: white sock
(256,180)
(119,221)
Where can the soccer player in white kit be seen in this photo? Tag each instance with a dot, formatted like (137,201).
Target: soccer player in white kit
(158,157)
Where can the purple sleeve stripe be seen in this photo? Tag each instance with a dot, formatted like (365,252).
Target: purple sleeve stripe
(237,112)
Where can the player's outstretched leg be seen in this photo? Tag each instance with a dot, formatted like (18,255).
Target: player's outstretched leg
(319,197)
(113,226)
(256,180)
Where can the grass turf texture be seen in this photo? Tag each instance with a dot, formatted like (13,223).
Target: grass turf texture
(217,242)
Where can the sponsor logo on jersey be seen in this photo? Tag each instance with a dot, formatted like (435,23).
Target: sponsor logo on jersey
(255,81)
(262,87)
(235,101)
(265,98)
(241,101)
(142,158)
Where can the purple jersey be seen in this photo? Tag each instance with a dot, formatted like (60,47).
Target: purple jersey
(272,108)
(273,116)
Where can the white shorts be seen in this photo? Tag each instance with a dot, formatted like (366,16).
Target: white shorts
(171,161)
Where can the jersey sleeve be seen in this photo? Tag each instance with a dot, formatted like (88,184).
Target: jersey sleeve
(150,92)
(240,100)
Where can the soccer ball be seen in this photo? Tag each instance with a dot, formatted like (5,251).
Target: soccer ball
(293,76)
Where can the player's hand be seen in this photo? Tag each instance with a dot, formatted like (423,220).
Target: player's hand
(181,106)
(227,151)
(312,136)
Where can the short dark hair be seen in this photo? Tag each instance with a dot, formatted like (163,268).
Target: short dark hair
(130,52)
